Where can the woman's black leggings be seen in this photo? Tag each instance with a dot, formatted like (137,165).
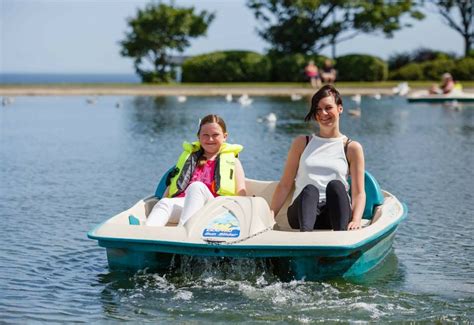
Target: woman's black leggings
(307,214)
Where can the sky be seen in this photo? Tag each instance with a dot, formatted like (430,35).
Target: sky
(82,36)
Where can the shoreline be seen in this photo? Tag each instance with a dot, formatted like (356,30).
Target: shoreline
(187,90)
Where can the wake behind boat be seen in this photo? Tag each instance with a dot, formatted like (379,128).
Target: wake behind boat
(243,227)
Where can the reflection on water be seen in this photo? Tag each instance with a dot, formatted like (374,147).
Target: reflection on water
(67,165)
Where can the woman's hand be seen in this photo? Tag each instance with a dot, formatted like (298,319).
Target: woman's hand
(354,225)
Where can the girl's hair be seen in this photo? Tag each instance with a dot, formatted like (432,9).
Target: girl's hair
(206,120)
(323,92)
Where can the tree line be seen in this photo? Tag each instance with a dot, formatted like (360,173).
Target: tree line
(159,31)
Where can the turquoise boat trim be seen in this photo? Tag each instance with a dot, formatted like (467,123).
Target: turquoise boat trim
(242,251)
(196,248)
(372,257)
(161,188)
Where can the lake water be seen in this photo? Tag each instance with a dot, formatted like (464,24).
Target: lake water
(66,166)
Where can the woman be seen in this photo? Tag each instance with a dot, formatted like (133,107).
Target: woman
(206,169)
(312,73)
(319,167)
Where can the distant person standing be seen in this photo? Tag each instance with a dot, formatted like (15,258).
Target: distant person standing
(328,74)
(312,73)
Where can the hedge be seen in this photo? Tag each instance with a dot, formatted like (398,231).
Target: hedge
(290,67)
(360,67)
(462,69)
(227,66)
(432,70)
(411,71)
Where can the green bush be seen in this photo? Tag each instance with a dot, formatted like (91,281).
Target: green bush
(412,71)
(464,69)
(360,67)
(227,66)
(432,70)
(290,67)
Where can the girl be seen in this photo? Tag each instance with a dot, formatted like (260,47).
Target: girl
(206,169)
(318,167)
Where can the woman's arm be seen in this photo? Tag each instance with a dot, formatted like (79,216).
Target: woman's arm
(448,87)
(288,178)
(239,178)
(355,154)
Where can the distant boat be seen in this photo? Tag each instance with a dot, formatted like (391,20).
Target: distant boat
(425,96)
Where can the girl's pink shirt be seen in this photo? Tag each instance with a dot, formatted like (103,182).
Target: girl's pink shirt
(205,174)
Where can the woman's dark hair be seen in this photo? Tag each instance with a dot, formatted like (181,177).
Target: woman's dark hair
(323,92)
(211,118)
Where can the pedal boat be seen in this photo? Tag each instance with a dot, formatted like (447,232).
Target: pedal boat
(243,227)
(424,96)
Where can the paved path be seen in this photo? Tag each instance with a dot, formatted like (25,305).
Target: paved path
(197,90)
(42,90)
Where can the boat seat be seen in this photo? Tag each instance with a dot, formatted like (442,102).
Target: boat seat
(373,196)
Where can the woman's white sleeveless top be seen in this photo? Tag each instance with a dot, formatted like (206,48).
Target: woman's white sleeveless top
(322,161)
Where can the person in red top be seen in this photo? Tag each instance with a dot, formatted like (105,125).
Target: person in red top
(212,134)
(312,73)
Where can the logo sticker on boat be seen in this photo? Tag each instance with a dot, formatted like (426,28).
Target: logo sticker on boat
(224,226)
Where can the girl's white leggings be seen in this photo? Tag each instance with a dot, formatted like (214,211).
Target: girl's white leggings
(180,209)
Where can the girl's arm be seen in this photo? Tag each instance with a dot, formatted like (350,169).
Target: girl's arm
(240,178)
(355,154)
(288,178)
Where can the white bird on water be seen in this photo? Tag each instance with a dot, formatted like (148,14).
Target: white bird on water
(228,97)
(357,98)
(296,97)
(245,100)
(401,89)
(377,96)
(357,112)
(7,101)
(271,118)
(91,100)
(181,99)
